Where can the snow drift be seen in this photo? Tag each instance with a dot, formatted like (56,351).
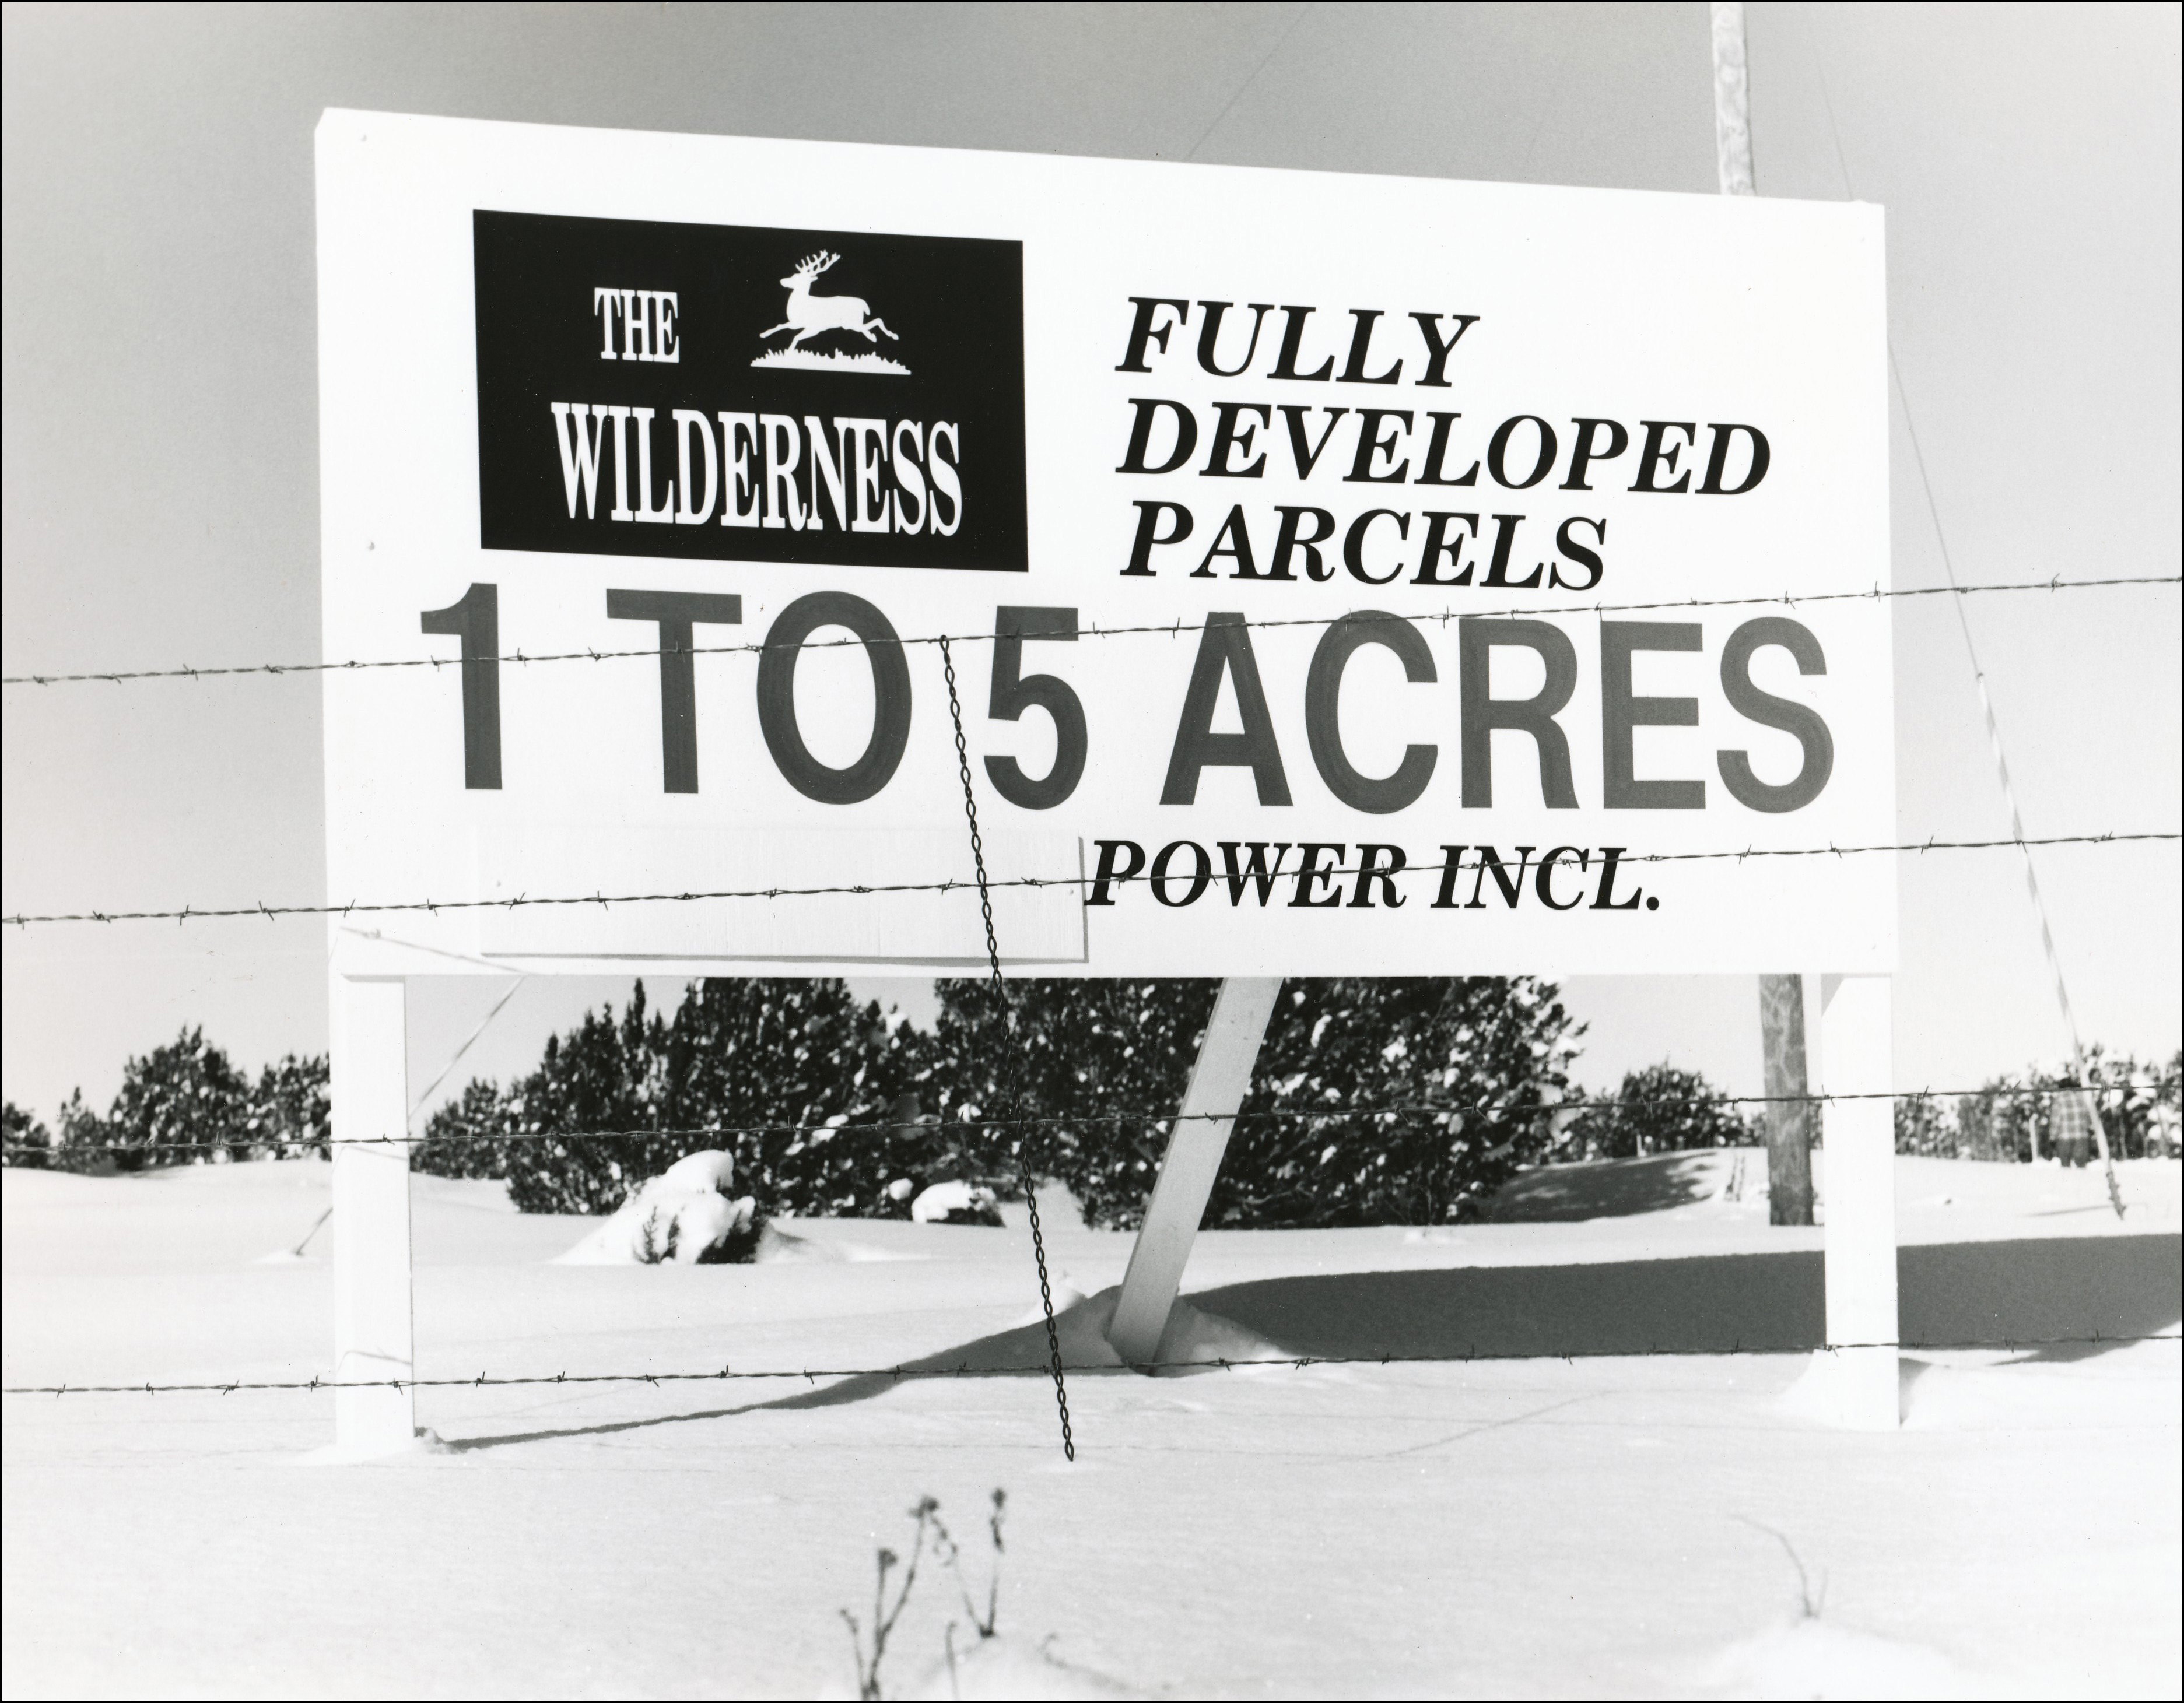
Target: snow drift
(956,1203)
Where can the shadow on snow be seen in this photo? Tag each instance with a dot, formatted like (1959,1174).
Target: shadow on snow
(1996,1295)
(1606,1189)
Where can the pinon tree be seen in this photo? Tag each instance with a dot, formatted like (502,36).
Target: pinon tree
(27,1145)
(289,1114)
(1924,1127)
(812,1077)
(1380,1100)
(468,1136)
(830,1111)
(1465,1072)
(79,1134)
(792,1076)
(186,1103)
(1658,1110)
(181,1101)
(1106,1058)
(569,1115)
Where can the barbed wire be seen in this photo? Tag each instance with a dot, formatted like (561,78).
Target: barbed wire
(1490,1113)
(1043,1368)
(1174,629)
(190,913)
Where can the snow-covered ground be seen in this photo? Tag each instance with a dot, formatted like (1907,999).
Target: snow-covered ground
(1621,1522)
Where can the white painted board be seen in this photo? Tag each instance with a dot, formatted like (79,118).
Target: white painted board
(498,306)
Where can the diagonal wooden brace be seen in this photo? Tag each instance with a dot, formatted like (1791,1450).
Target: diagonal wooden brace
(1218,1084)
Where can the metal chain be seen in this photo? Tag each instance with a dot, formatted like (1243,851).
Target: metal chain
(1008,1053)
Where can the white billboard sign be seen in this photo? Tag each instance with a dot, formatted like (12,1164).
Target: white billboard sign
(1313,548)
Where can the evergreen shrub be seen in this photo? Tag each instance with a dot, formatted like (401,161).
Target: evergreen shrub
(28,1145)
(1471,1068)
(1658,1110)
(743,1062)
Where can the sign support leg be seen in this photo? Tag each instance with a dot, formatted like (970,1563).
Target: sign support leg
(373,1335)
(1856,1045)
(1218,1084)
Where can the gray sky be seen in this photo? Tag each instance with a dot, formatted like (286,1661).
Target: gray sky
(160,492)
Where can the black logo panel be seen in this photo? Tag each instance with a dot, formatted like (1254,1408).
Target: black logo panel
(750,394)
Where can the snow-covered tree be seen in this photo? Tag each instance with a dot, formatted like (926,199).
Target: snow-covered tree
(290,1112)
(1658,1110)
(1460,1076)
(792,1074)
(182,1101)
(28,1143)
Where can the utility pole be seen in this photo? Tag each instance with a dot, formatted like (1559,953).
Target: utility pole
(1788,1114)
(1781,998)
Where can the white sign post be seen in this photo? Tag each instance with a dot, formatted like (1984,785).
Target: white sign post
(1348,575)
(1856,1377)
(375,1356)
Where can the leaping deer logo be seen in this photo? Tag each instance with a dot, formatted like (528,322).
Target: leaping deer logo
(811,316)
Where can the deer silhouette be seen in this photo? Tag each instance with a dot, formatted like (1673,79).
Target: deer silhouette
(810,315)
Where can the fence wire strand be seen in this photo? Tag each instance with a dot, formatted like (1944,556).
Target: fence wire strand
(193,913)
(1045,1368)
(1053,1366)
(1173,629)
(1492,1114)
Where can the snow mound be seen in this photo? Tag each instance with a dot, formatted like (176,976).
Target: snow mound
(1850,1389)
(775,1244)
(2132,1385)
(424,1444)
(1066,1295)
(956,1203)
(1815,1658)
(683,1215)
(1002,1666)
(1193,1338)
